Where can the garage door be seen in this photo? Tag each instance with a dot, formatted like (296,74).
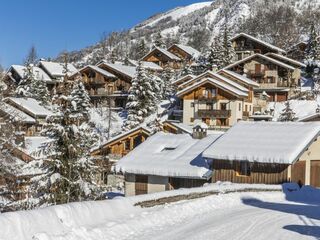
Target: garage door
(315,174)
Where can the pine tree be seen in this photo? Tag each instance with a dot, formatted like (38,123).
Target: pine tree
(166,77)
(158,41)
(31,57)
(228,51)
(186,70)
(287,114)
(80,100)
(39,91)
(312,54)
(69,170)
(216,55)
(142,49)
(26,83)
(141,99)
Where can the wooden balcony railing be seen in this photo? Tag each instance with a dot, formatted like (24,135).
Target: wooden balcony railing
(214,113)
(207,98)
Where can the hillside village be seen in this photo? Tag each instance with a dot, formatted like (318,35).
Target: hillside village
(179,116)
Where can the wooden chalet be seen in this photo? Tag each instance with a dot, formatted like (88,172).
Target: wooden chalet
(122,144)
(246,45)
(56,70)
(16,73)
(267,153)
(166,162)
(187,53)
(297,51)
(149,66)
(275,77)
(99,83)
(163,58)
(120,87)
(216,100)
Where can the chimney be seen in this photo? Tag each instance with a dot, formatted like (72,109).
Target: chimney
(200,130)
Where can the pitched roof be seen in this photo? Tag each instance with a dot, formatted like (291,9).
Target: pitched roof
(264,142)
(119,136)
(241,78)
(16,114)
(56,70)
(182,79)
(268,45)
(183,127)
(29,106)
(39,74)
(217,76)
(171,155)
(123,69)
(97,69)
(284,58)
(279,63)
(165,52)
(146,65)
(225,86)
(187,49)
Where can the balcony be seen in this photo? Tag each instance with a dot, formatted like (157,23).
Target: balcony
(214,113)
(207,98)
(256,74)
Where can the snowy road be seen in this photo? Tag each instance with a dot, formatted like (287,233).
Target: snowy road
(241,215)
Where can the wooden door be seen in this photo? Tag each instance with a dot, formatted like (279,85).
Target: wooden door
(298,172)
(315,174)
(258,68)
(141,184)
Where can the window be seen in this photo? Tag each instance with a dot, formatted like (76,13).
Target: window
(239,106)
(209,106)
(192,104)
(127,145)
(192,120)
(244,169)
(223,106)
(223,122)
(213,92)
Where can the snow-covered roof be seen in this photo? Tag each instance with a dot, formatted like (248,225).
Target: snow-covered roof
(220,84)
(229,81)
(129,71)
(97,69)
(183,127)
(146,65)
(264,142)
(309,117)
(284,58)
(34,146)
(187,49)
(16,114)
(121,136)
(268,45)
(38,73)
(29,106)
(56,69)
(241,78)
(183,78)
(165,52)
(170,155)
(279,63)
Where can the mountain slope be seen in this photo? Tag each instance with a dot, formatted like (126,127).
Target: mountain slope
(276,21)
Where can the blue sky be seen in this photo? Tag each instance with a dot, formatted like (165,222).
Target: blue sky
(56,25)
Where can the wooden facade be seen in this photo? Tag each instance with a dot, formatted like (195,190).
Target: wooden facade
(258,172)
(161,59)
(120,146)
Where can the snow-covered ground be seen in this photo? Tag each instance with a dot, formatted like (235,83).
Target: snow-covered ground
(254,215)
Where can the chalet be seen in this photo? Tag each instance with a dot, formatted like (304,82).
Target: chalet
(267,152)
(297,51)
(31,110)
(286,60)
(16,73)
(187,53)
(246,45)
(99,83)
(275,77)
(165,162)
(122,144)
(22,121)
(216,100)
(163,58)
(56,70)
(120,87)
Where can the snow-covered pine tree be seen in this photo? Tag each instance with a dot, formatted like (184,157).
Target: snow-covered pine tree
(31,57)
(186,69)
(141,99)
(70,173)
(40,91)
(80,100)
(24,88)
(158,41)
(142,49)
(216,55)
(228,51)
(166,77)
(312,54)
(287,114)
